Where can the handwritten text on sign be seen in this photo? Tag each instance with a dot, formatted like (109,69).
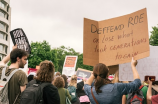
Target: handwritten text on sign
(116,40)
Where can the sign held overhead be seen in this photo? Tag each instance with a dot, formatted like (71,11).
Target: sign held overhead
(117,40)
(18,37)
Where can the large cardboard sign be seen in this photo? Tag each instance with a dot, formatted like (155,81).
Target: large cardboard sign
(18,37)
(83,73)
(146,66)
(115,41)
(69,65)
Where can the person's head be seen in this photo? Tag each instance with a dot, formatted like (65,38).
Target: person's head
(64,77)
(73,81)
(59,82)
(58,74)
(101,73)
(30,77)
(46,72)
(19,56)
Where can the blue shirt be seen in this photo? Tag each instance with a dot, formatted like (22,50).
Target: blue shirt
(112,93)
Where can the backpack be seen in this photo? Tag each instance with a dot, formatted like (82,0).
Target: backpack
(67,99)
(4,86)
(33,94)
(136,97)
(72,91)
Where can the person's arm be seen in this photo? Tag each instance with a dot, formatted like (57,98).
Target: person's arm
(124,99)
(125,88)
(90,80)
(135,72)
(22,88)
(69,96)
(149,94)
(7,58)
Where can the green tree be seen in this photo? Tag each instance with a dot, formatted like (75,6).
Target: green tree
(154,36)
(9,63)
(62,51)
(54,59)
(81,65)
(41,51)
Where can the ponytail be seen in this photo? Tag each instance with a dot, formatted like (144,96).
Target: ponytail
(98,83)
(100,72)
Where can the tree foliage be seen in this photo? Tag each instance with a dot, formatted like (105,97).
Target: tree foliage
(41,51)
(154,36)
(62,51)
(81,65)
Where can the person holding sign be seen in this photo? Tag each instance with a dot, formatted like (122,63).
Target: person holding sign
(18,81)
(103,91)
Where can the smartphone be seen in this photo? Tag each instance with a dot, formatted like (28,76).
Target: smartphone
(151,78)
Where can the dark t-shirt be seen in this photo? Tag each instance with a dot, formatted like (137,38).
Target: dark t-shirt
(18,79)
(51,95)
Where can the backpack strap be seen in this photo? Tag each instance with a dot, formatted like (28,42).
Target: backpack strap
(94,97)
(141,87)
(10,75)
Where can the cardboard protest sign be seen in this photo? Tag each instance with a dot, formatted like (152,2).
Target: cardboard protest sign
(83,73)
(145,67)
(18,37)
(69,65)
(117,40)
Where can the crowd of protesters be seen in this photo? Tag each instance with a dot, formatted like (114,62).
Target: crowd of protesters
(97,89)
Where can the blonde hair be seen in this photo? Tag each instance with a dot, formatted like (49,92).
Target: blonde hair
(73,81)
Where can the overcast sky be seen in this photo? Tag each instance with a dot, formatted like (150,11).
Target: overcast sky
(60,22)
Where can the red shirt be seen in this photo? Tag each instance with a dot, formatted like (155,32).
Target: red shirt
(154,99)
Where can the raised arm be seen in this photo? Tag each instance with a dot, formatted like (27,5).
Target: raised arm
(126,88)
(90,80)
(149,94)
(135,72)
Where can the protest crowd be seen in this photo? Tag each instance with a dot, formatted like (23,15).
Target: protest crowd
(46,87)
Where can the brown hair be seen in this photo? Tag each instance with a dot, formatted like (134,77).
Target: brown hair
(46,72)
(73,81)
(64,77)
(57,74)
(100,72)
(17,53)
(59,82)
